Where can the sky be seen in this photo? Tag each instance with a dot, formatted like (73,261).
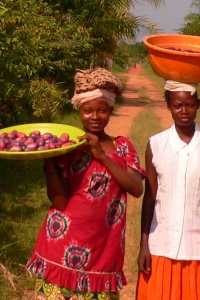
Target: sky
(169,18)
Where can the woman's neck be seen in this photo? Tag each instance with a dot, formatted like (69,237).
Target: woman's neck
(185,133)
(102,136)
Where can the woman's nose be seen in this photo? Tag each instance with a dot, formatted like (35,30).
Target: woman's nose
(184,109)
(94,115)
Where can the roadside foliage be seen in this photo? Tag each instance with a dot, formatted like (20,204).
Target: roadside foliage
(42,43)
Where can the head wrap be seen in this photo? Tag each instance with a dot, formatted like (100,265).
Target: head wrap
(175,86)
(95,84)
(97,94)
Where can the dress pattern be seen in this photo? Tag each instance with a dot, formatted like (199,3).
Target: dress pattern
(98,183)
(57,225)
(116,211)
(76,257)
(82,247)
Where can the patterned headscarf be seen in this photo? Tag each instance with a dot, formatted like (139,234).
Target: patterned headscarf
(95,84)
(175,86)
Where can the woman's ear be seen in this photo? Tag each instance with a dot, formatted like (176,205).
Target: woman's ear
(111,109)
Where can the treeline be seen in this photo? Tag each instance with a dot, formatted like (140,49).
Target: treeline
(42,43)
(192,20)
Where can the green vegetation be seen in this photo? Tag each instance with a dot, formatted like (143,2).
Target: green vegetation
(145,125)
(192,20)
(198,118)
(43,42)
(148,72)
(23,204)
(137,53)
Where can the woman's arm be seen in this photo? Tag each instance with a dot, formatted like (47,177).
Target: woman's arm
(144,259)
(57,185)
(130,180)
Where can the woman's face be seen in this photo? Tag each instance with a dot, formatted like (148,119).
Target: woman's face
(95,115)
(183,107)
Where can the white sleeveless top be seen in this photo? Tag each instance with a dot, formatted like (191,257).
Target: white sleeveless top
(175,229)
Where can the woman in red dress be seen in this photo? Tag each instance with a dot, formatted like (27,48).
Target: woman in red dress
(79,252)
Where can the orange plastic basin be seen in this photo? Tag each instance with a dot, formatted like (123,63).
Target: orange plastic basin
(173,64)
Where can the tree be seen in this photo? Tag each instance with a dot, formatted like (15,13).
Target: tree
(110,22)
(43,42)
(40,50)
(192,20)
(137,52)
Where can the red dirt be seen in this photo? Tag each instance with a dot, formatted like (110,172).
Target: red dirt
(122,119)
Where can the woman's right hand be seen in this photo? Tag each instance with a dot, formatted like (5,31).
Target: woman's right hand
(144,260)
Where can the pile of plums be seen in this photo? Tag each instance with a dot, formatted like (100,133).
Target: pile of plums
(16,141)
(184,50)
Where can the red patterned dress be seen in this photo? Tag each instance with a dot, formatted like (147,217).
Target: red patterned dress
(82,247)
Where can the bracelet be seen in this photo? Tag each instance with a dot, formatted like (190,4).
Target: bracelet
(51,173)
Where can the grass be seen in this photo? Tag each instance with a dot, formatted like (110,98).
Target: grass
(145,125)
(23,204)
(148,72)
(142,92)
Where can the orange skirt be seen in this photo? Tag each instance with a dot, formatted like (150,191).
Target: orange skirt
(170,280)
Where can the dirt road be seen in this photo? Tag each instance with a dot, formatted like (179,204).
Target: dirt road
(122,119)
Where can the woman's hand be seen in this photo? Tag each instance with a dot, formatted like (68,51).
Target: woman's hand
(93,142)
(144,260)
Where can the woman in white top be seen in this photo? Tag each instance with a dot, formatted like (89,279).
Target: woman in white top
(169,258)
